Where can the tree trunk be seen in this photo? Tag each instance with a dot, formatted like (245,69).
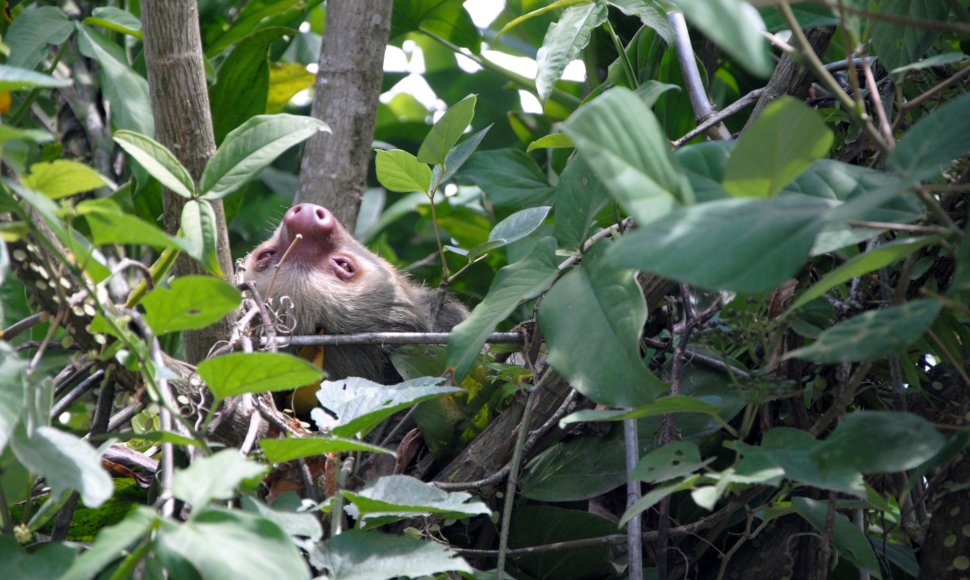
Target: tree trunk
(334,168)
(183,123)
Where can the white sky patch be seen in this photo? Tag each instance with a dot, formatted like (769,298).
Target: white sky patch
(484,12)
(575,71)
(304,27)
(415,85)
(529,102)
(395,60)
(466,64)
(522,65)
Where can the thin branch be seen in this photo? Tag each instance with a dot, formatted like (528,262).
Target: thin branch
(76,393)
(17,327)
(935,90)
(385,338)
(876,99)
(728,111)
(892,226)
(692,78)
(634,527)
(958,27)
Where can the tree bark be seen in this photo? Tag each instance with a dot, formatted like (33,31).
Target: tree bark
(183,123)
(333,172)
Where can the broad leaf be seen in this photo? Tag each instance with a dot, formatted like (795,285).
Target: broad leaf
(649,15)
(849,541)
(66,462)
(447,131)
(198,223)
(445,18)
(63,178)
(35,135)
(214,478)
(126,90)
(158,161)
(13,79)
(519,225)
(878,442)
(785,139)
(401,497)
(298,524)
(115,19)
(540,525)
(934,141)
(654,496)
(736,27)
(191,302)
(32,31)
(744,245)
(551,141)
(514,284)
(109,225)
(579,196)
(898,43)
(231,544)
(872,334)
(509,177)
(12,391)
(350,556)
(623,143)
(354,406)
(677,459)
(563,42)
(112,542)
(256,372)
(598,352)
(282,450)
(398,170)
(460,153)
(251,147)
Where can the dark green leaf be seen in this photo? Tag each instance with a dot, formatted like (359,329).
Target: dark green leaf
(251,147)
(66,462)
(282,450)
(563,42)
(677,459)
(872,334)
(784,141)
(934,141)
(655,495)
(158,161)
(516,283)
(109,225)
(214,478)
(539,525)
(14,79)
(350,556)
(445,18)
(579,196)
(620,138)
(191,302)
(509,177)
(447,131)
(598,352)
(519,225)
(849,541)
(45,560)
(744,245)
(256,372)
(199,228)
(31,32)
(35,135)
(460,153)
(126,90)
(12,391)
(736,27)
(112,542)
(649,15)
(398,170)
(898,43)
(878,442)
(402,497)
(231,544)
(297,524)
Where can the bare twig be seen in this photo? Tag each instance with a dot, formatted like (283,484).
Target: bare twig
(892,226)
(17,327)
(385,338)
(728,111)
(634,527)
(692,78)
(76,393)
(876,98)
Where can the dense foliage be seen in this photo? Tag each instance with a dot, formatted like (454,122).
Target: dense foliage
(768,333)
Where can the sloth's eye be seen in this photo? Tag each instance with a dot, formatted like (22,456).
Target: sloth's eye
(263,258)
(345,265)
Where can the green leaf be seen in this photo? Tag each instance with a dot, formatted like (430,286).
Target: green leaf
(350,556)
(112,542)
(402,497)
(126,90)
(934,141)
(509,177)
(650,91)
(551,141)
(12,134)
(199,228)
(609,369)
(878,442)
(736,27)
(932,61)
(519,225)
(579,196)
(12,388)
(563,42)
(784,141)
(872,334)
(860,265)
(360,405)
(677,459)
(31,32)
(115,19)
(744,245)
(555,5)
(849,541)
(242,86)
(158,161)
(14,79)
(45,560)
(623,143)
(109,225)
(447,131)
(540,525)
(214,478)
(649,15)
(251,147)
(514,284)
(460,153)
(899,44)
(65,461)
(298,524)
(445,18)
(654,496)
(662,406)
(62,178)
(398,170)
(256,372)
(231,544)
(190,303)
(286,79)
(282,450)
